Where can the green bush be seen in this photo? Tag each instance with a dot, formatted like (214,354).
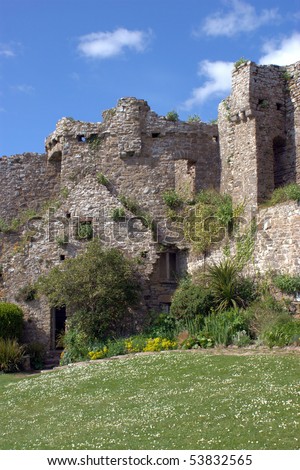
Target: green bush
(191,301)
(283,333)
(11,321)
(246,290)
(136,343)
(287,283)
(172,116)
(172,199)
(11,355)
(163,325)
(223,326)
(76,346)
(113,347)
(262,314)
(116,347)
(85,231)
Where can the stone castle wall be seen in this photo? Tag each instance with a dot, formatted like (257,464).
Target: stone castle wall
(258,125)
(89,168)
(140,153)
(25,182)
(276,243)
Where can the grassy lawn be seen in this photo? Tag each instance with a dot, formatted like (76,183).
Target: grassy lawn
(174,400)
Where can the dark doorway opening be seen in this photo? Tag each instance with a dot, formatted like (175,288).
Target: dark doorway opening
(58,326)
(280,163)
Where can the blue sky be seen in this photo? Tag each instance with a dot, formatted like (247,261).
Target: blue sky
(78,57)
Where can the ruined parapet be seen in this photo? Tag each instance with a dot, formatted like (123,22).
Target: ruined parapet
(140,153)
(66,147)
(257,132)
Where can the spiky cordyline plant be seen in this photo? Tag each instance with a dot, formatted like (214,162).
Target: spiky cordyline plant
(223,280)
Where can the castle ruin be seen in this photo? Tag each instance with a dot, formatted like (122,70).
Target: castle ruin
(89,169)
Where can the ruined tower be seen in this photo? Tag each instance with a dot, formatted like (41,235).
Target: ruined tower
(259,131)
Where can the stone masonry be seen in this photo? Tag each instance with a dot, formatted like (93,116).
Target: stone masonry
(259,131)
(133,156)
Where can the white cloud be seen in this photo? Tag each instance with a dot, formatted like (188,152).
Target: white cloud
(242,17)
(27,89)
(285,52)
(218,82)
(103,45)
(6,51)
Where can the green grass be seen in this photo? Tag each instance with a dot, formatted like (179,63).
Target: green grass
(172,400)
(290,192)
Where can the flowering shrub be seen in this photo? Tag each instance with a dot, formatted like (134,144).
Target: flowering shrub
(99,354)
(159,344)
(135,344)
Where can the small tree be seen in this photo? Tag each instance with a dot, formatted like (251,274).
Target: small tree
(98,287)
(191,301)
